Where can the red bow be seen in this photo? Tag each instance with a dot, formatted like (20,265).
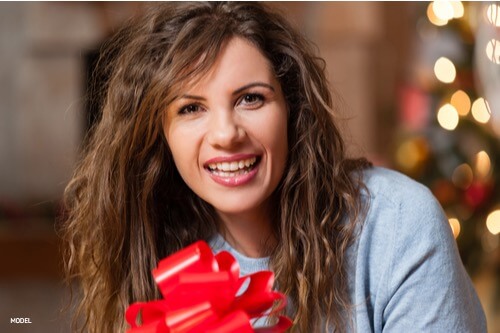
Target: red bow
(200,295)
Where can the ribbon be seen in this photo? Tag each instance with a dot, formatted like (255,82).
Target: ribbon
(201,293)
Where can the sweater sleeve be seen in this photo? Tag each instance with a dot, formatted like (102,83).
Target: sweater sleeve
(427,287)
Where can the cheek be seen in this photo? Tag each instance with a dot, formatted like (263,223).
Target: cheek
(277,137)
(180,148)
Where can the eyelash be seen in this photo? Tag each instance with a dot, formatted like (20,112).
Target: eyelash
(258,99)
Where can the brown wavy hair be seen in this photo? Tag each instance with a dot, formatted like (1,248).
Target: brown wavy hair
(127,206)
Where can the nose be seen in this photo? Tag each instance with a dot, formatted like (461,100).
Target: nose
(225,130)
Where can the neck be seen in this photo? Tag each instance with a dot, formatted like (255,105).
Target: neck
(249,233)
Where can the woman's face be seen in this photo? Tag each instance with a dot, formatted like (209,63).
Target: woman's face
(228,132)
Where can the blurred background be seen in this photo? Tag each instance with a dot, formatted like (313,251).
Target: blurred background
(420,84)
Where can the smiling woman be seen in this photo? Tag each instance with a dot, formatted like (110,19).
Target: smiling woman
(219,125)
(235,117)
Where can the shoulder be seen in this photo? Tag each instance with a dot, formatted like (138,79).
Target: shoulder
(394,188)
(403,219)
(408,202)
(407,255)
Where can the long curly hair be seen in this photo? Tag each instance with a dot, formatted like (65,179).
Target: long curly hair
(127,206)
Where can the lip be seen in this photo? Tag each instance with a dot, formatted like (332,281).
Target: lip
(235,181)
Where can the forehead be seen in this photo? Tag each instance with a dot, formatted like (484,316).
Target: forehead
(237,63)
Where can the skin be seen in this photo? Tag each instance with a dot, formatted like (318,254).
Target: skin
(237,108)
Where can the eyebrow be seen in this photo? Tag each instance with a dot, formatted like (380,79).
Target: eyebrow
(236,92)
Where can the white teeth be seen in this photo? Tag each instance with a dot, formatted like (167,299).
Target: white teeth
(225,169)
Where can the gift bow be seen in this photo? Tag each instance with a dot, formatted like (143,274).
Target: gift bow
(200,295)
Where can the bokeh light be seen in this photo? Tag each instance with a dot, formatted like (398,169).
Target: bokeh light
(493,51)
(433,18)
(447,117)
(493,222)
(481,110)
(458,9)
(462,176)
(443,9)
(461,101)
(493,14)
(445,70)
(455,226)
(482,164)
(411,154)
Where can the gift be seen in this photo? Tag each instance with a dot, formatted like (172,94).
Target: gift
(201,293)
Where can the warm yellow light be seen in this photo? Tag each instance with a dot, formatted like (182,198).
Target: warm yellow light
(445,70)
(462,176)
(493,14)
(461,101)
(493,222)
(455,226)
(481,110)
(458,9)
(447,117)
(493,51)
(408,155)
(482,164)
(443,9)
(433,18)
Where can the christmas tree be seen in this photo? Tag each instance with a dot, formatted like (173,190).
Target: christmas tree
(450,117)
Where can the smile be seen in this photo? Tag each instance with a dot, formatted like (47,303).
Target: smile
(230,169)
(233,171)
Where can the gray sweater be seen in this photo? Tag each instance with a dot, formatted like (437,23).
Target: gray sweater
(405,271)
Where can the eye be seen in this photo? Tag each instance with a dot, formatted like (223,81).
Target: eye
(252,100)
(189,109)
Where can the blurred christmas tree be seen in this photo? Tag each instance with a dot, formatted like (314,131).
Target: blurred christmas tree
(450,117)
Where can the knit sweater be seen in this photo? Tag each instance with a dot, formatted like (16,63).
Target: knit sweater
(405,273)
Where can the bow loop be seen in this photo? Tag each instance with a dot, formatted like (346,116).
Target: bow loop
(200,295)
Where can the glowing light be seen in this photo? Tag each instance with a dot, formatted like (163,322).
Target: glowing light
(445,70)
(482,164)
(458,9)
(455,226)
(433,18)
(443,9)
(447,117)
(493,51)
(411,154)
(493,14)
(493,222)
(461,101)
(462,176)
(481,110)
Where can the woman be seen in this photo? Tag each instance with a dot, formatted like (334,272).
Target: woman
(218,124)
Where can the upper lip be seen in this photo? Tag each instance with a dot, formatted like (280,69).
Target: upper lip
(231,158)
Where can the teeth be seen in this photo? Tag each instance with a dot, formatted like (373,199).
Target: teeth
(224,168)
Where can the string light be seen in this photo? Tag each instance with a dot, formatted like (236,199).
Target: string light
(482,164)
(481,110)
(493,51)
(447,117)
(443,9)
(462,176)
(461,101)
(411,154)
(445,70)
(433,18)
(455,226)
(458,9)
(493,14)
(493,222)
